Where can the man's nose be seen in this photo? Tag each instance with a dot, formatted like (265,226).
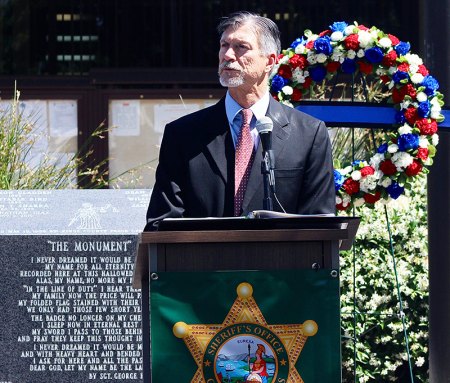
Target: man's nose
(229,54)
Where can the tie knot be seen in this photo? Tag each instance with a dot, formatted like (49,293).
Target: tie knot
(247,115)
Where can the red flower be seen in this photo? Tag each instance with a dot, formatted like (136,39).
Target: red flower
(326,32)
(422,153)
(413,169)
(388,168)
(351,42)
(367,170)
(398,94)
(372,198)
(389,59)
(423,70)
(385,78)
(285,71)
(351,186)
(365,68)
(411,115)
(362,28)
(394,39)
(307,83)
(426,126)
(410,90)
(333,66)
(309,44)
(298,61)
(404,67)
(340,206)
(296,94)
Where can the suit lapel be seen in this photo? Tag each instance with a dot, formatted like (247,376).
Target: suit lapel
(218,138)
(280,134)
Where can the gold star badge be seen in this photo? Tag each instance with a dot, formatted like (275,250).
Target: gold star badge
(244,347)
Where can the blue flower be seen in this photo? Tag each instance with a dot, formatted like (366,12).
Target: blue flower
(338,180)
(395,190)
(424,109)
(402,48)
(318,73)
(382,148)
(298,41)
(398,76)
(408,141)
(348,66)
(338,26)
(323,45)
(374,55)
(400,117)
(278,82)
(431,85)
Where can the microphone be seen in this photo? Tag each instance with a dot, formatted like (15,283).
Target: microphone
(264,126)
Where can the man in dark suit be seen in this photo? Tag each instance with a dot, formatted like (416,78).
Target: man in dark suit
(196,174)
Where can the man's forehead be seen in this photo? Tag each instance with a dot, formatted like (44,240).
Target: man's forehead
(241,33)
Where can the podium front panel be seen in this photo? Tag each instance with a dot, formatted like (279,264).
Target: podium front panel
(275,326)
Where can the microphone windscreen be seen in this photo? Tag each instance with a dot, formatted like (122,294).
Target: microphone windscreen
(264,125)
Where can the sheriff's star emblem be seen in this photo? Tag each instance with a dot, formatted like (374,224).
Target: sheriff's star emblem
(245,348)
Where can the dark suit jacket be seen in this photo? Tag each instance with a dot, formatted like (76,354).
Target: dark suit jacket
(195,175)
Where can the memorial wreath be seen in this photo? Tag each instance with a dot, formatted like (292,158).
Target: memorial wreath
(407,149)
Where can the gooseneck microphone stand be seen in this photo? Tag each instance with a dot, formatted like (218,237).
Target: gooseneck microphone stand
(268,179)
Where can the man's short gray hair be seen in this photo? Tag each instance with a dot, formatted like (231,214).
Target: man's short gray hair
(266,30)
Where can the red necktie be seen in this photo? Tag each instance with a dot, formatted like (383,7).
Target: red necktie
(243,161)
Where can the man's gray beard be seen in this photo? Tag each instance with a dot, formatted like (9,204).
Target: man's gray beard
(232,82)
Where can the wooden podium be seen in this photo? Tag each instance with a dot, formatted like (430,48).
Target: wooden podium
(233,244)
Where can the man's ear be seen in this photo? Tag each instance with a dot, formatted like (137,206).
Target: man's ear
(271,61)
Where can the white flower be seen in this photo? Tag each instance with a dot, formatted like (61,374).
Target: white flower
(361,53)
(349,29)
(385,182)
(351,54)
(405,129)
(365,39)
(404,104)
(356,175)
(376,159)
(338,200)
(413,68)
(385,42)
(300,49)
(287,90)
(423,142)
(413,59)
(368,183)
(402,160)
(393,148)
(435,114)
(298,75)
(420,361)
(435,139)
(346,170)
(422,96)
(312,57)
(337,36)
(346,199)
(321,58)
(417,78)
(283,60)
(392,70)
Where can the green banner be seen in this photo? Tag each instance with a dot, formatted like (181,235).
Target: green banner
(238,327)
